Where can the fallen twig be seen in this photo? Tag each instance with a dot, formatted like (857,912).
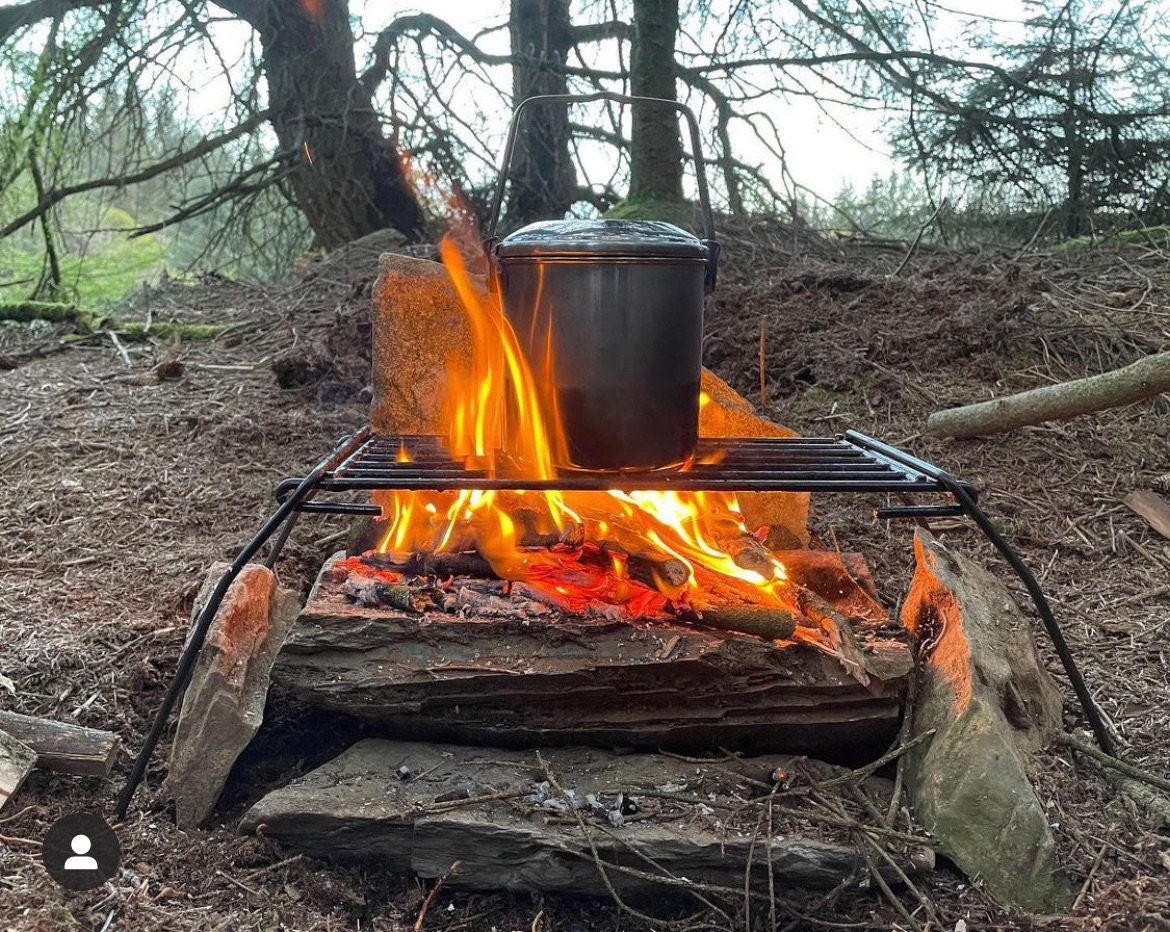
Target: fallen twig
(1091,750)
(434,892)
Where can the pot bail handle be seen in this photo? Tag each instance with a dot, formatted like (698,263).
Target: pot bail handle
(654,102)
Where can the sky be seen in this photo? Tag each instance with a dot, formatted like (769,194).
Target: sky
(822,155)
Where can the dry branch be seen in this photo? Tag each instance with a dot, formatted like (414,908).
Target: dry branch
(1140,380)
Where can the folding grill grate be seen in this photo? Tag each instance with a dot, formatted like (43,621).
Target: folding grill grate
(852,462)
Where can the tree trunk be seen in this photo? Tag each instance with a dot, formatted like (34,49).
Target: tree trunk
(543,180)
(655,152)
(1074,206)
(346,177)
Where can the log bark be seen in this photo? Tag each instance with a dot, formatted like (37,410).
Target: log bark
(1153,508)
(525,679)
(27,311)
(1140,380)
(762,621)
(655,146)
(543,181)
(499,813)
(16,762)
(344,174)
(62,746)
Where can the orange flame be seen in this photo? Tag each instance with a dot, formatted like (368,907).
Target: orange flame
(495,423)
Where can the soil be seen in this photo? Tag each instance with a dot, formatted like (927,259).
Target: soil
(128,469)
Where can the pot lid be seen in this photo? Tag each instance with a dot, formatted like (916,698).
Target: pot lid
(602,238)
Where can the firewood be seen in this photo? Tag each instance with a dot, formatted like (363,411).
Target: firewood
(666,574)
(16,762)
(63,747)
(659,571)
(511,823)
(837,629)
(749,554)
(442,565)
(1143,379)
(374,594)
(1153,507)
(764,621)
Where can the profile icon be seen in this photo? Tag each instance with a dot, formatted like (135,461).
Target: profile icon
(80,851)
(81,861)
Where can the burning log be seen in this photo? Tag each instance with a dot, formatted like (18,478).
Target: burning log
(764,621)
(665,574)
(749,553)
(657,570)
(373,593)
(442,565)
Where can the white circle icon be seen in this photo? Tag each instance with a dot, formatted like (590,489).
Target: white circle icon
(80,860)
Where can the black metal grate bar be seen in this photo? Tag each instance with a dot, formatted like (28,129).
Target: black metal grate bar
(849,463)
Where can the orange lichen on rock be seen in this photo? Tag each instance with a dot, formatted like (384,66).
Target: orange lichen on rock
(243,619)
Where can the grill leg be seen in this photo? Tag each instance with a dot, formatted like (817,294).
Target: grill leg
(285,515)
(1092,712)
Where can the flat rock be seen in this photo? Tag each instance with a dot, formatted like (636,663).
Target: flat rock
(518,680)
(223,705)
(992,704)
(419,807)
(421,330)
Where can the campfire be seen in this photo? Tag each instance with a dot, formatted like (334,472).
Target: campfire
(589,556)
(640,554)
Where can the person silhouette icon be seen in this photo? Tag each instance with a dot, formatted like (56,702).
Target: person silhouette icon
(81,861)
(80,851)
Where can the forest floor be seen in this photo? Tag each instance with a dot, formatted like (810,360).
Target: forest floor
(123,480)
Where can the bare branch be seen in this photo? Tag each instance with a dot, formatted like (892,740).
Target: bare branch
(208,145)
(424,24)
(251,12)
(599,32)
(13,18)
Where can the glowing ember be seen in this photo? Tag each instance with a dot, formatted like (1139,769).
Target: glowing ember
(573,547)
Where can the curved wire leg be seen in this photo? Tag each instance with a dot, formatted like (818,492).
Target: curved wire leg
(284,515)
(1096,719)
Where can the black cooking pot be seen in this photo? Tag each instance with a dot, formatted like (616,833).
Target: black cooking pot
(610,316)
